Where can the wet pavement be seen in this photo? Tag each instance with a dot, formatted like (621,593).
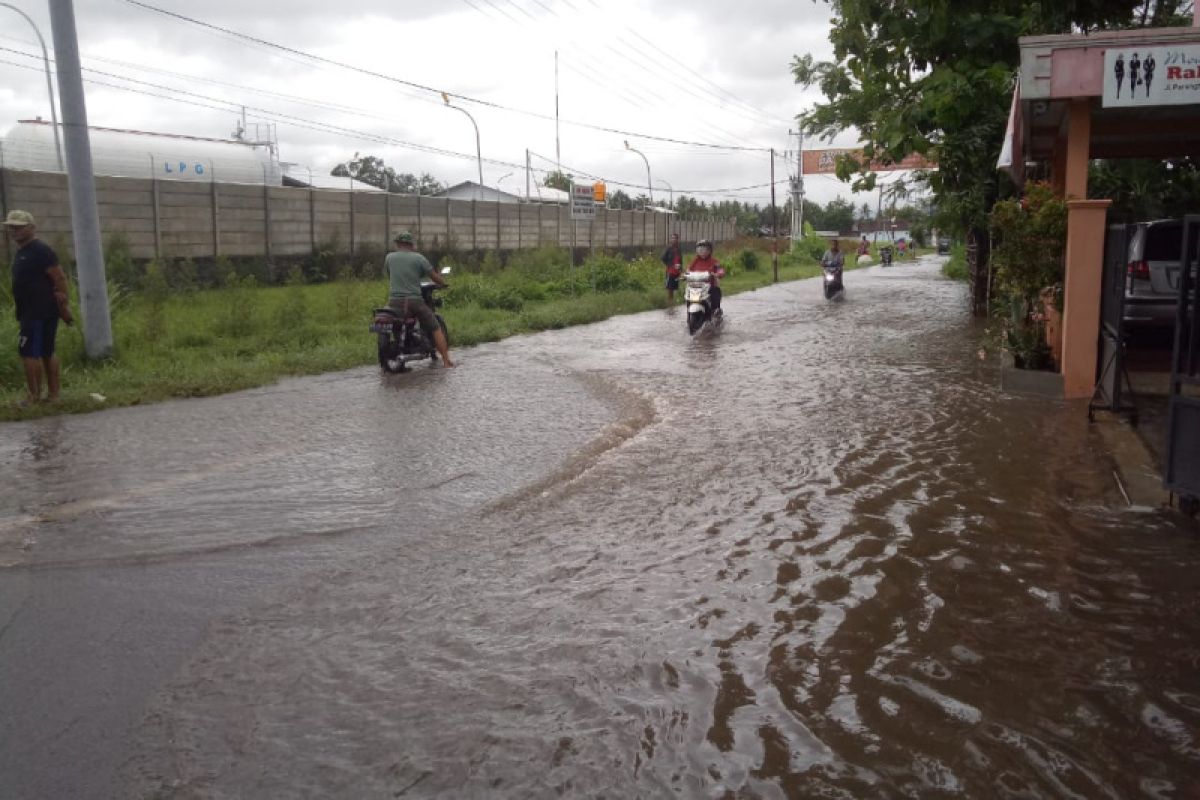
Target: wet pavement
(814,553)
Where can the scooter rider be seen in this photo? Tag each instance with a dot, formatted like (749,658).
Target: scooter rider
(405,268)
(705,262)
(833,258)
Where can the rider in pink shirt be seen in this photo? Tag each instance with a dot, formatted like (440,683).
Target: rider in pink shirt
(705,262)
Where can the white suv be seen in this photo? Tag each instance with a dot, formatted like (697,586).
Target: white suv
(1152,277)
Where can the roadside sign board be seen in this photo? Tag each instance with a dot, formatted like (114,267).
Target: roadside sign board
(583,203)
(1161,75)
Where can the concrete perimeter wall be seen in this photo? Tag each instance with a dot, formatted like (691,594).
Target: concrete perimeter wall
(177,219)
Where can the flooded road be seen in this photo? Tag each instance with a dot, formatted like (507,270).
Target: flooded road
(813,554)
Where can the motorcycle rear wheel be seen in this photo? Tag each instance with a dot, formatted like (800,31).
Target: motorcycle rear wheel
(387,360)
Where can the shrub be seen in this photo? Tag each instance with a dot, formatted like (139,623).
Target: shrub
(811,246)
(746,260)
(154,295)
(119,265)
(1028,237)
(1028,240)
(321,263)
(239,314)
(182,276)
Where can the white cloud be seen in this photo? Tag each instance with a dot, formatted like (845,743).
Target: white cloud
(704,70)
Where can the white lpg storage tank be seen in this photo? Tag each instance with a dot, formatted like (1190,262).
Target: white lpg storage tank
(29,145)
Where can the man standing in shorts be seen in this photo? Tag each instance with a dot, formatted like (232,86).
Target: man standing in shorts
(405,268)
(39,288)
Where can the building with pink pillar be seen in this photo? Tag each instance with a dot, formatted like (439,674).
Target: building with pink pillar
(1110,95)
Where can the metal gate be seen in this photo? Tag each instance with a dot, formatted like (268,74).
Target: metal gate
(1114,392)
(1181,471)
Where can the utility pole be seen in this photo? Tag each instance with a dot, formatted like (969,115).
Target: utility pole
(85,217)
(774,223)
(878,213)
(798,189)
(557,141)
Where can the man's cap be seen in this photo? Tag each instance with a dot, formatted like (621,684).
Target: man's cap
(19,219)
(404,237)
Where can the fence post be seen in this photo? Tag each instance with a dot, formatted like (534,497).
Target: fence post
(352,217)
(448,228)
(520,220)
(387,222)
(420,223)
(267,225)
(154,210)
(312,214)
(216,212)
(499,237)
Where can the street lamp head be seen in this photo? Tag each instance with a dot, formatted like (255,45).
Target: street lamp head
(446,98)
(627,147)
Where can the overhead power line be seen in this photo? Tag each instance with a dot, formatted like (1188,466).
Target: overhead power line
(203,101)
(423,87)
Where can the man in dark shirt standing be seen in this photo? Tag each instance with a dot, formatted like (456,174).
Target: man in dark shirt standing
(672,259)
(39,288)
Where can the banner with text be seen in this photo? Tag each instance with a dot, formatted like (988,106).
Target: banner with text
(1162,75)
(821,162)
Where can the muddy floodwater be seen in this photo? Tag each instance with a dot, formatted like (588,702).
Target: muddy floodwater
(815,553)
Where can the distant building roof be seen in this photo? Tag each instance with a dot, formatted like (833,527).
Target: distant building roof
(297,175)
(546,194)
(470,190)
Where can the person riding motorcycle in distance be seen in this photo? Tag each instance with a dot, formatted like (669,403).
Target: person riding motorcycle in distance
(405,269)
(705,262)
(834,258)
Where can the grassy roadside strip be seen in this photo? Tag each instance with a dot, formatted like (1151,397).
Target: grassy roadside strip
(211,341)
(956,266)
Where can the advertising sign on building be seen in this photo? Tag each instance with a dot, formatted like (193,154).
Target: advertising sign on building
(583,202)
(1155,75)
(824,162)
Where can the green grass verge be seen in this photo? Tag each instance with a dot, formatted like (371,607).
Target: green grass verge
(212,341)
(956,266)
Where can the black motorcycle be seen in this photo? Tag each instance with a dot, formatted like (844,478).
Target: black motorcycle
(832,281)
(885,256)
(401,338)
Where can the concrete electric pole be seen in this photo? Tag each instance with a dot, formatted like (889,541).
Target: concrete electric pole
(798,189)
(85,217)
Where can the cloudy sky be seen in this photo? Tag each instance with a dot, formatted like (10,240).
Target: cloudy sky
(701,72)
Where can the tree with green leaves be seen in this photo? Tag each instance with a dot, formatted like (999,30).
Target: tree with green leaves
(558,180)
(372,171)
(618,199)
(935,78)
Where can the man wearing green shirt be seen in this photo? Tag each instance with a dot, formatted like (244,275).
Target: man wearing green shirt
(406,268)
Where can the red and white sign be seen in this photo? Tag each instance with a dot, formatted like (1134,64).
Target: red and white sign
(823,162)
(1152,75)
(583,201)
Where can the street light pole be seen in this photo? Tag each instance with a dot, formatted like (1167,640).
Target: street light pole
(49,83)
(478,150)
(671,191)
(649,187)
